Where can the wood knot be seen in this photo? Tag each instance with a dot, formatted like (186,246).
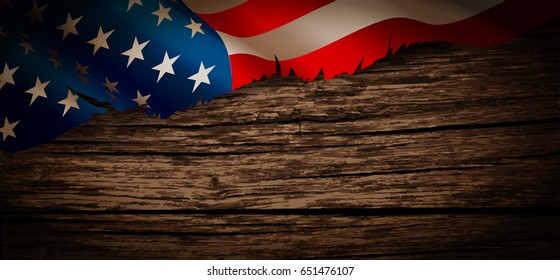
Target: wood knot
(214,182)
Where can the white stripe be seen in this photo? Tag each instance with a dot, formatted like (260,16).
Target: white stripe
(211,6)
(341,18)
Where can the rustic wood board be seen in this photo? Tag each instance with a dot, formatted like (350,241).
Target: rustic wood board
(439,151)
(245,236)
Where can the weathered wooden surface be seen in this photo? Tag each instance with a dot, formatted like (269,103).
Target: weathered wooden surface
(441,151)
(270,236)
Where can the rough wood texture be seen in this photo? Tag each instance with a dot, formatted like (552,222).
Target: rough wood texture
(440,151)
(270,236)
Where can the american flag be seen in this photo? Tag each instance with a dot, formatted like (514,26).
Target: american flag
(167,55)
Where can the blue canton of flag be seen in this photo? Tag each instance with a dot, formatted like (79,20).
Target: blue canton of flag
(157,54)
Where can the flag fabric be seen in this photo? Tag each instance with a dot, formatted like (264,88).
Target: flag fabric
(335,37)
(156,54)
(57,56)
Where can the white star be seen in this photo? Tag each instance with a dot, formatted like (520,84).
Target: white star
(135,52)
(55,62)
(201,76)
(195,28)
(8,129)
(69,102)
(101,40)
(111,86)
(38,90)
(166,66)
(26,46)
(7,77)
(69,26)
(36,13)
(162,13)
(141,100)
(82,69)
(132,2)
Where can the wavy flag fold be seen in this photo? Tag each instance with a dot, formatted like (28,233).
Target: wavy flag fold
(168,56)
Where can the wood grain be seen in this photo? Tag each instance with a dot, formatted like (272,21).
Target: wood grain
(440,127)
(280,236)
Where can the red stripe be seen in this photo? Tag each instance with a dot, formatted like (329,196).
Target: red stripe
(255,17)
(496,25)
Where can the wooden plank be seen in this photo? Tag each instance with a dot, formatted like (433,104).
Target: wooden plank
(412,174)
(280,236)
(436,125)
